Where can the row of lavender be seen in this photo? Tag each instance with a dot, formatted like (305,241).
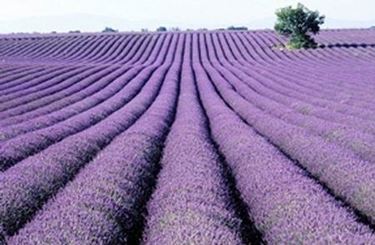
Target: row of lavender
(206,133)
(28,106)
(74,146)
(25,100)
(113,48)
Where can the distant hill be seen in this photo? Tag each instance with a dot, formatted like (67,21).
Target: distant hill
(82,22)
(329,23)
(334,23)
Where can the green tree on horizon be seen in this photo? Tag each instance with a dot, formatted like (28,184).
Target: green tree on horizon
(298,24)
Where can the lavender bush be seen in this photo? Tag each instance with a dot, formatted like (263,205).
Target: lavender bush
(201,137)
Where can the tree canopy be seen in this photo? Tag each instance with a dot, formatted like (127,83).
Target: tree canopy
(298,24)
(109,29)
(161,28)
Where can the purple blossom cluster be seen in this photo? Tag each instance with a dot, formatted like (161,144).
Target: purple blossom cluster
(278,193)
(192,202)
(55,166)
(104,202)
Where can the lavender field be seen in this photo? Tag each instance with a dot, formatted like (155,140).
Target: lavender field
(187,138)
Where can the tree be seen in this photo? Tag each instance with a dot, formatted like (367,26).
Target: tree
(298,24)
(109,29)
(237,28)
(161,28)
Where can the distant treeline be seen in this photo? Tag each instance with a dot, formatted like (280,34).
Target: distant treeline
(173,29)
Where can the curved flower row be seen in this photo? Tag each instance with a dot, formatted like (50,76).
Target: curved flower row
(51,169)
(187,137)
(104,203)
(286,205)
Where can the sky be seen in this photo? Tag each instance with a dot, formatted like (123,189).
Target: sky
(126,15)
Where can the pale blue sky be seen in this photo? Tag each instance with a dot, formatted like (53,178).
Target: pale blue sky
(94,15)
